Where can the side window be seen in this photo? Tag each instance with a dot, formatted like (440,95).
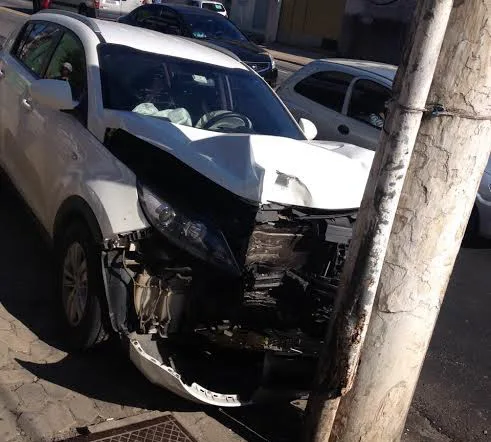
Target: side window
(368,101)
(68,64)
(167,23)
(143,13)
(327,88)
(21,39)
(37,47)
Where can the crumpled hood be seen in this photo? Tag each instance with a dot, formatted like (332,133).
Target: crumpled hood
(261,168)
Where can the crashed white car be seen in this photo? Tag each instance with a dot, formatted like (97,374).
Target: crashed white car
(188,212)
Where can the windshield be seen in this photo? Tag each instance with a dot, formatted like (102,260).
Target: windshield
(213,6)
(209,26)
(191,93)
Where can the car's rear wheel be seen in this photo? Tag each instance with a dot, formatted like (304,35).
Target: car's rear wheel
(80,287)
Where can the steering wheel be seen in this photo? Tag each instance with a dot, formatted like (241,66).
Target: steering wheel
(225,116)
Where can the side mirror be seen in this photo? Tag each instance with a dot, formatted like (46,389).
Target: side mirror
(55,94)
(308,128)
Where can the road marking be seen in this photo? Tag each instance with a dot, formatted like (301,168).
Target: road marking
(12,11)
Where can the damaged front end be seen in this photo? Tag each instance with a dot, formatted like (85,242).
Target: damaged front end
(229,320)
(225,300)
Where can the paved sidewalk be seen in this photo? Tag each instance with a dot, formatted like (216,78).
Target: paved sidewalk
(295,55)
(46,393)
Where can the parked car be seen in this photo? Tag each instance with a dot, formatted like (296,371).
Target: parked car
(104,9)
(202,24)
(188,212)
(344,98)
(210,5)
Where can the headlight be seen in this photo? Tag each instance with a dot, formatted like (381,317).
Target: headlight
(273,61)
(193,235)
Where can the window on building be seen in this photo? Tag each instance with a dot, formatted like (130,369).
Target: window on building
(368,101)
(327,88)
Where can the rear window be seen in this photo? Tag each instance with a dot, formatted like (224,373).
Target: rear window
(212,26)
(214,7)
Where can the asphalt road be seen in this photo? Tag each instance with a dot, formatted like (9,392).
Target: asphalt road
(453,398)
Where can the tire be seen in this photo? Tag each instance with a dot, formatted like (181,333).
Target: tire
(82,10)
(80,293)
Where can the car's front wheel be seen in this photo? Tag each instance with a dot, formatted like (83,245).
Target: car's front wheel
(80,287)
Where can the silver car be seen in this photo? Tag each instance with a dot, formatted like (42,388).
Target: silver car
(346,101)
(344,98)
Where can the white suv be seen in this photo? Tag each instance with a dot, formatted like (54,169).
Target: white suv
(188,212)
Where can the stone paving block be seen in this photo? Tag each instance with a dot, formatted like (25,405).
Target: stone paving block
(10,399)
(54,390)
(4,354)
(9,432)
(12,340)
(5,314)
(109,410)
(16,376)
(41,351)
(54,420)
(33,397)
(24,333)
(83,409)
(5,324)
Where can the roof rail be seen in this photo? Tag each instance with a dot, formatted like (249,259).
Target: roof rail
(81,18)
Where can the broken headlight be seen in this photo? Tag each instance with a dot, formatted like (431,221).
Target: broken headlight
(189,233)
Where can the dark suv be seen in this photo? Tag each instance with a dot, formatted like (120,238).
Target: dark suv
(188,21)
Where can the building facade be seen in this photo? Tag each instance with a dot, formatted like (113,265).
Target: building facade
(366,29)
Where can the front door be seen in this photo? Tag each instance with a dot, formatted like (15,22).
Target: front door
(24,125)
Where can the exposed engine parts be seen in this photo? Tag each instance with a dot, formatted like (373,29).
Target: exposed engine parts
(291,262)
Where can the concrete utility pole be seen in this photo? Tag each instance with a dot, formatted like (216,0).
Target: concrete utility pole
(450,154)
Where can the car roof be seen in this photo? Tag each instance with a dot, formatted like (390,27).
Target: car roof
(387,71)
(148,41)
(185,9)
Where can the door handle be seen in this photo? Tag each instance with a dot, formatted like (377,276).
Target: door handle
(27,104)
(343,129)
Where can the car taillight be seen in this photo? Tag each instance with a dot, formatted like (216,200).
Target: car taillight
(97,4)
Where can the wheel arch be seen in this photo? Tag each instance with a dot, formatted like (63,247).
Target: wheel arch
(76,208)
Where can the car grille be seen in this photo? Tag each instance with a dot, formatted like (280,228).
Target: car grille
(259,66)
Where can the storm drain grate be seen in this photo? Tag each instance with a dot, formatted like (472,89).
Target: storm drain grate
(162,429)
